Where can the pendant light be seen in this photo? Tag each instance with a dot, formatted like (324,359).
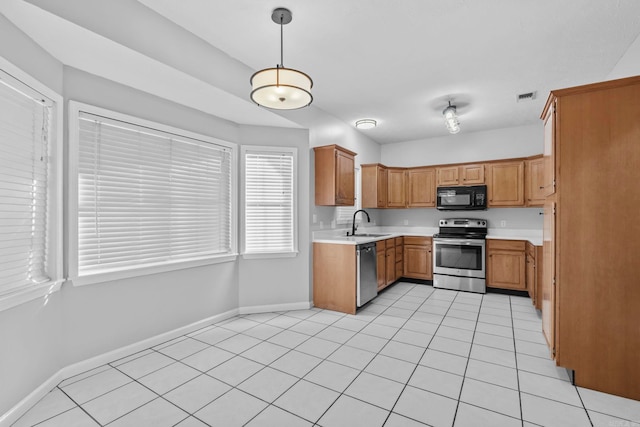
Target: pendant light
(451,119)
(281,88)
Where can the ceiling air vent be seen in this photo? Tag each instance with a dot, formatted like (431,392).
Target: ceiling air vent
(529,96)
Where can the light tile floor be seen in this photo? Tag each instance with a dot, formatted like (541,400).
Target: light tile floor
(414,356)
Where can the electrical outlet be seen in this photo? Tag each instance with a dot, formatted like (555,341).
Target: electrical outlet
(333,223)
(315,218)
(503,223)
(406,222)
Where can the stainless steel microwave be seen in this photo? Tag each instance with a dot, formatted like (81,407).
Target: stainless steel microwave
(463,198)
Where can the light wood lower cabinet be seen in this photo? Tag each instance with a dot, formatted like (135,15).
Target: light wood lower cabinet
(534,274)
(399,257)
(381,264)
(506,264)
(418,257)
(334,277)
(390,263)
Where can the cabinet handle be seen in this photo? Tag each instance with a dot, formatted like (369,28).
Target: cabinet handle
(542,187)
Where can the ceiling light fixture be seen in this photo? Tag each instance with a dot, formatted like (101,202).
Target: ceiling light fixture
(281,88)
(366,124)
(451,119)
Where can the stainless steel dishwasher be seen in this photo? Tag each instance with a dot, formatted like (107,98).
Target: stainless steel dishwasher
(367,277)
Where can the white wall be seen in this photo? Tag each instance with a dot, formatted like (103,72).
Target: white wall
(29,334)
(328,130)
(272,281)
(494,144)
(78,323)
(629,64)
(463,147)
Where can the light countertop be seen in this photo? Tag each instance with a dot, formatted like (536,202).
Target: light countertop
(339,236)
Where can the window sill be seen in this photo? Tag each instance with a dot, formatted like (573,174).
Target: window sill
(264,255)
(106,276)
(31,293)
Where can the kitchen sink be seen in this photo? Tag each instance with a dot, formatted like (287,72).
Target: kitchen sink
(369,235)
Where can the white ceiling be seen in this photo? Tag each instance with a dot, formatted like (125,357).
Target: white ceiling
(396,62)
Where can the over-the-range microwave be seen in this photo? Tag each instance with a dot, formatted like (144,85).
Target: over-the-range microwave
(463,198)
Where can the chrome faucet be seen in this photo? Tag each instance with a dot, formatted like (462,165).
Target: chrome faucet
(353,226)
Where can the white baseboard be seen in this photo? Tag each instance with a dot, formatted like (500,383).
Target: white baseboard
(275,307)
(25,404)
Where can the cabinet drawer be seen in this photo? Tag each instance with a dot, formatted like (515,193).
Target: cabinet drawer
(506,245)
(531,249)
(380,247)
(399,241)
(417,240)
(390,243)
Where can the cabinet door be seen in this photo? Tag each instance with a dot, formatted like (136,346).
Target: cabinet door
(447,176)
(381,181)
(421,187)
(396,188)
(506,184)
(549,150)
(534,182)
(531,277)
(345,179)
(472,174)
(390,266)
(374,186)
(506,270)
(417,262)
(381,264)
(399,257)
(548,275)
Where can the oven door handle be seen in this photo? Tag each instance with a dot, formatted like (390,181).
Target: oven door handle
(459,241)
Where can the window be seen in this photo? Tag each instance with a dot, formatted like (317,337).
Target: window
(344,214)
(28,190)
(148,195)
(270,210)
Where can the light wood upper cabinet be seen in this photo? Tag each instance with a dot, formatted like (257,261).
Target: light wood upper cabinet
(334,176)
(472,174)
(396,188)
(460,175)
(534,181)
(448,176)
(418,257)
(374,186)
(549,149)
(421,187)
(506,184)
(506,264)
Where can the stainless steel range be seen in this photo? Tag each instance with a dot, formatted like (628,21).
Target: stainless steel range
(459,255)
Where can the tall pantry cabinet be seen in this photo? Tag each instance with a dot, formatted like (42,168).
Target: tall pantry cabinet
(591,280)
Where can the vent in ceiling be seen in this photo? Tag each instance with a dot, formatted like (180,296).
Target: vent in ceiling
(529,96)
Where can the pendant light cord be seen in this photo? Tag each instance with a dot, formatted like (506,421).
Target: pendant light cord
(281,42)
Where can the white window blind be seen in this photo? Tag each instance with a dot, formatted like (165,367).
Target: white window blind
(148,197)
(270,205)
(24,184)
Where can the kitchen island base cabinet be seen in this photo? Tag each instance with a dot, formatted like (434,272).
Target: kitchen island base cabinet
(334,277)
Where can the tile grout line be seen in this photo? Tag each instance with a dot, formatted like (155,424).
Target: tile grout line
(464,375)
